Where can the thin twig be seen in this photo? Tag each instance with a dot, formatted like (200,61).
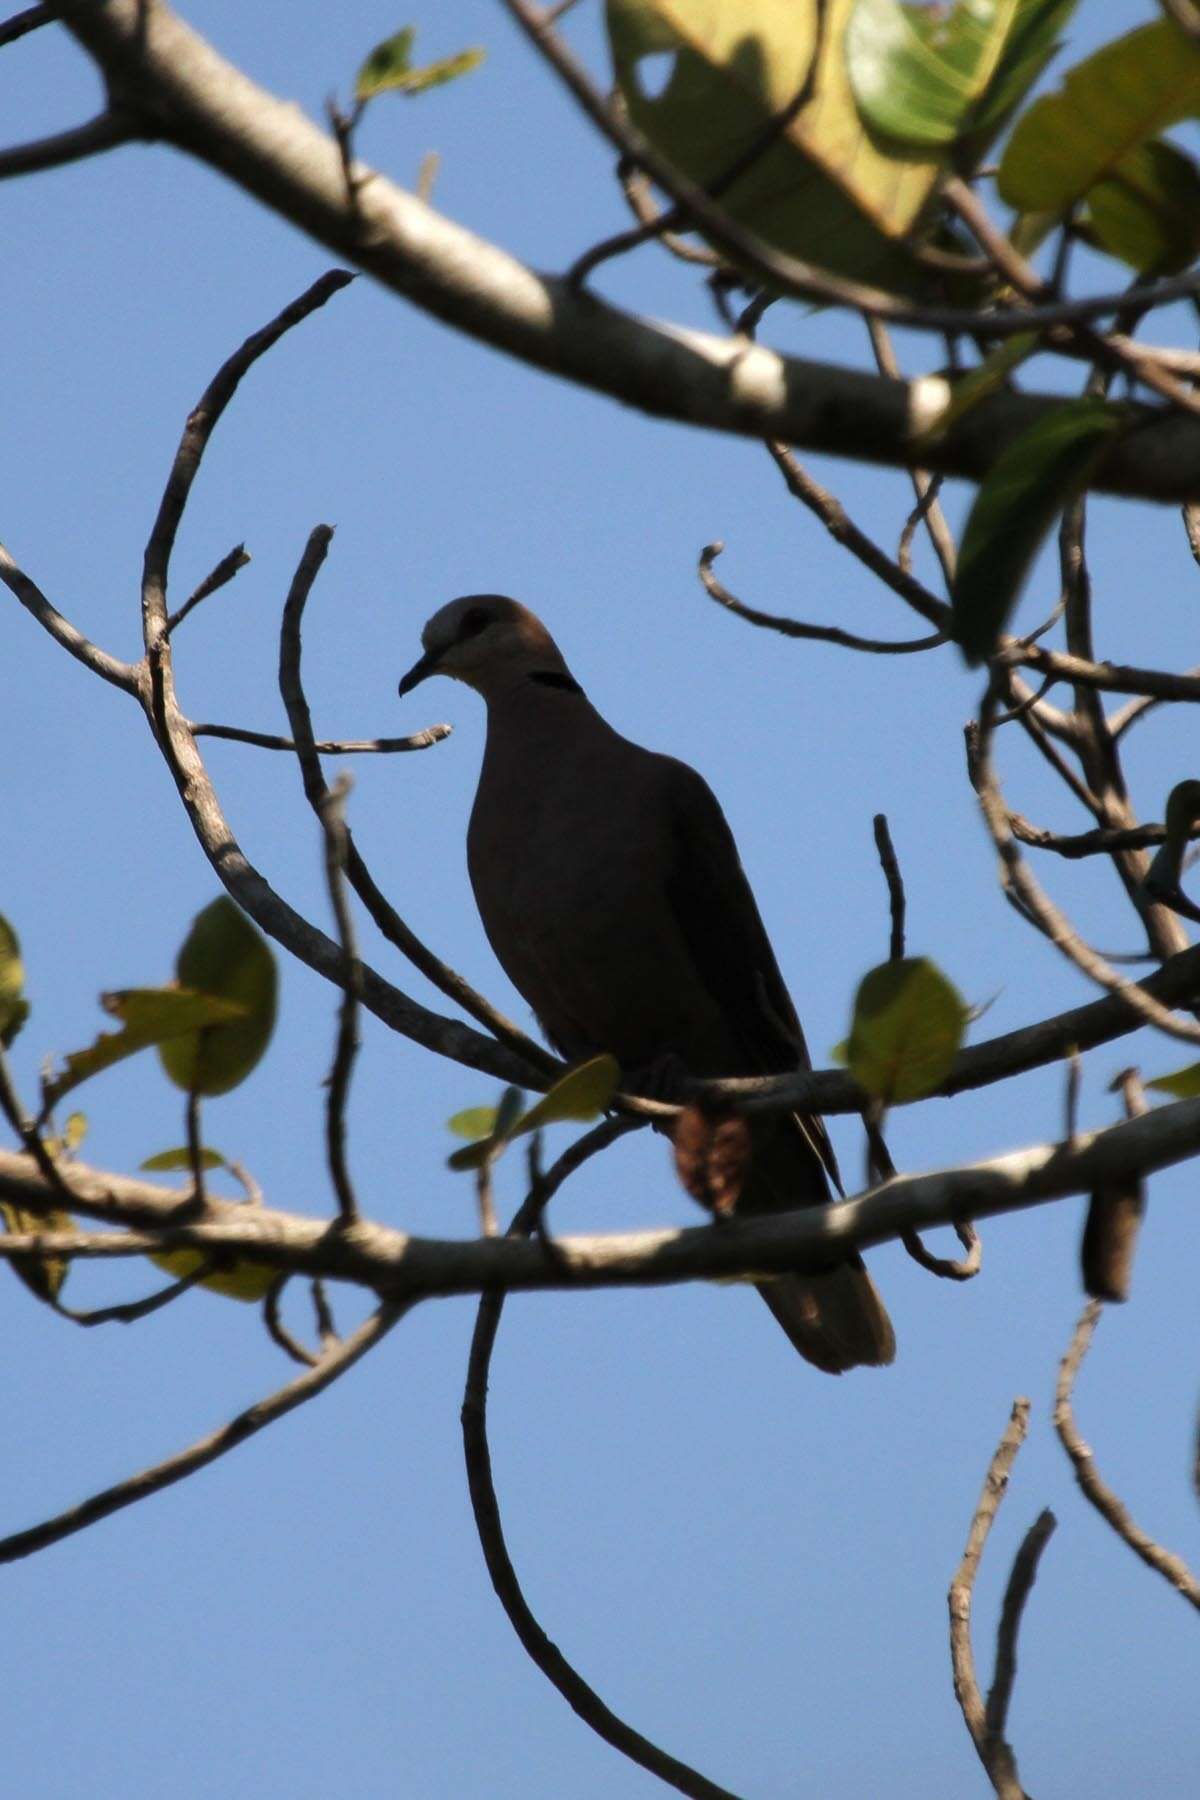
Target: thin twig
(263,740)
(1021,1578)
(32,19)
(99,662)
(1171,1567)
(895,884)
(226,569)
(278,1331)
(105,132)
(799,628)
(206,1449)
(128,1312)
(995,1753)
(583,1699)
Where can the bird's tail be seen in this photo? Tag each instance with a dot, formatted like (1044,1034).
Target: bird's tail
(835,1317)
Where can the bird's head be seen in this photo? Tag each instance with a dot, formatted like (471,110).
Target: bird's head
(488,641)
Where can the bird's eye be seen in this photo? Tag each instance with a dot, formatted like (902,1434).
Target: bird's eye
(473,622)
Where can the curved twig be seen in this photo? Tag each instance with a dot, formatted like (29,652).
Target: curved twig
(105,132)
(582,1698)
(206,1449)
(1164,1562)
(265,740)
(799,628)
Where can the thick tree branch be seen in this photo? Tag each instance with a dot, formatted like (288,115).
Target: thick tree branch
(184,91)
(404,1267)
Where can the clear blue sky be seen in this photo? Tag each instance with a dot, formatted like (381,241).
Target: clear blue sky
(747,1559)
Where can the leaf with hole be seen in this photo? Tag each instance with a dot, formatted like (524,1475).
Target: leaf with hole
(821,188)
(1018,501)
(908,1024)
(226,957)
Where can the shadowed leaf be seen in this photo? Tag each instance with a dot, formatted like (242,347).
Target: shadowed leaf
(1165,874)
(1147,212)
(1110,1235)
(244,1280)
(1024,492)
(224,956)
(1129,91)
(907,1027)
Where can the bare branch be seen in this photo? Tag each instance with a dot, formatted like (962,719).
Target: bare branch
(32,19)
(416,740)
(206,1449)
(226,569)
(895,884)
(109,668)
(798,628)
(105,132)
(994,1752)
(485,1506)
(330,808)
(1171,1567)
(1021,1578)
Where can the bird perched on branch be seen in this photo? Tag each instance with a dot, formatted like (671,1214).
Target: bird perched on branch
(611,891)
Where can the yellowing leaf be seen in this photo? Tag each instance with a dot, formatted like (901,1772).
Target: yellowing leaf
(14,1008)
(908,1024)
(181,1158)
(243,1280)
(149,1016)
(42,1275)
(473,1123)
(1184,1084)
(582,1094)
(822,189)
(225,956)
(1130,90)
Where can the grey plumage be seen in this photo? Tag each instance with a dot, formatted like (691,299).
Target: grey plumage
(611,891)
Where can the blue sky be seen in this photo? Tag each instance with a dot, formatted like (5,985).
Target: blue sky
(747,1559)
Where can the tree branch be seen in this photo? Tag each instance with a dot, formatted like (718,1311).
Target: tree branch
(201,103)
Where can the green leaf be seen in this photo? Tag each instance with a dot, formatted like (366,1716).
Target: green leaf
(582,1094)
(473,1123)
(43,1275)
(1147,211)
(1024,492)
(14,1008)
(150,1016)
(968,390)
(1129,91)
(934,77)
(822,189)
(907,1026)
(181,1158)
(389,68)
(1184,1084)
(243,1280)
(225,956)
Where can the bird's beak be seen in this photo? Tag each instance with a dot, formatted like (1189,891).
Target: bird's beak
(426,666)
